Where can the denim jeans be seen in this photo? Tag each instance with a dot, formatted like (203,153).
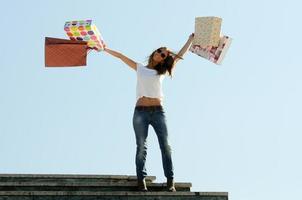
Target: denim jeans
(142,118)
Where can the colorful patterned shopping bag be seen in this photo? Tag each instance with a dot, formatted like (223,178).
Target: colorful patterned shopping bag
(84,30)
(207,31)
(211,53)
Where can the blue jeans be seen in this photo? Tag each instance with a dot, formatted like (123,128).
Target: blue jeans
(155,116)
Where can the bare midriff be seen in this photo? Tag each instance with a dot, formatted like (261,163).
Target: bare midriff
(148,101)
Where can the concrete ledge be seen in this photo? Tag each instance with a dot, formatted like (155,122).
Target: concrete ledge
(87,184)
(74,176)
(87,193)
(93,187)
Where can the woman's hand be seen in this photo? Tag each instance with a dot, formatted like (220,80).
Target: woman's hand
(104,47)
(191,37)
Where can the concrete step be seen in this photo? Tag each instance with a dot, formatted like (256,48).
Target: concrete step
(70,178)
(76,195)
(86,186)
(57,182)
(93,187)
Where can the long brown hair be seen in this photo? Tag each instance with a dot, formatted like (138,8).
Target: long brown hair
(167,64)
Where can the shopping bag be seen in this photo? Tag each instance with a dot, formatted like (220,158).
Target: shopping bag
(84,30)
(65,53)
(211,53)
(207,31)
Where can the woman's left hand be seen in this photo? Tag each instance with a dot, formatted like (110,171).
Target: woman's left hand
(191,37)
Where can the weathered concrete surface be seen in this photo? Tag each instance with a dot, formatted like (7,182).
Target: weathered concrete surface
(93,187)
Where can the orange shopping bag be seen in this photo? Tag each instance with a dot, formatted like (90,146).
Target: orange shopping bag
(65,53)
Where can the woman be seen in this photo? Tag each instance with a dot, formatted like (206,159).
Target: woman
(149,109)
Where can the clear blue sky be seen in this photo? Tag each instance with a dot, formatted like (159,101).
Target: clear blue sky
(234,127)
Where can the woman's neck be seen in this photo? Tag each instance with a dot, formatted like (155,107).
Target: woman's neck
(152,64)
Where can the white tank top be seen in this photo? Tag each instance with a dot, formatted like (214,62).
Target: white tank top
(149,83)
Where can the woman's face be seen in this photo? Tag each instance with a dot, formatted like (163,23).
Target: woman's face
(160,55)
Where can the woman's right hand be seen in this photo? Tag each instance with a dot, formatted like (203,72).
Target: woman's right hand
(191,37)
(104,47)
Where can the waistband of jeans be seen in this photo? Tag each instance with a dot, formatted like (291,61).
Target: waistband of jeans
(149,108)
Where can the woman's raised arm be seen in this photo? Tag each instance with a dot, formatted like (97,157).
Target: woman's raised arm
(125,59)
(184,49)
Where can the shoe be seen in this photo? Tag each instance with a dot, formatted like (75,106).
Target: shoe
(141,184)
(171,185)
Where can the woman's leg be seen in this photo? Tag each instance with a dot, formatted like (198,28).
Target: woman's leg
(140,125)
(159,124)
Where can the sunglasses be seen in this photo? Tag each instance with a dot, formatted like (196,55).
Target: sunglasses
(161,53)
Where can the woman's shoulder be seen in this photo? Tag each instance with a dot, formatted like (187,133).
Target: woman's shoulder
(139,66)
